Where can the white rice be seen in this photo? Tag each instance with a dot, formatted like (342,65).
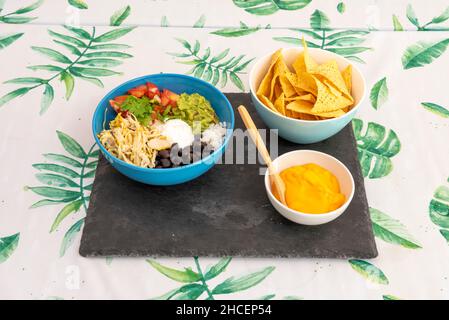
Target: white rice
(214,135)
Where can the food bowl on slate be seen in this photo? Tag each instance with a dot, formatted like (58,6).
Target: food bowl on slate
(304,131)
(178,84)
(300,157)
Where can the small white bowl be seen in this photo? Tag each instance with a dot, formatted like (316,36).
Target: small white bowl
(300,157)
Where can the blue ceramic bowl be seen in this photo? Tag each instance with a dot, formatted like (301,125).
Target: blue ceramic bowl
(178,84)
(304,131)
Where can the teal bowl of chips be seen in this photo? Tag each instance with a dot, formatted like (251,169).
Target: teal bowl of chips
(304,131)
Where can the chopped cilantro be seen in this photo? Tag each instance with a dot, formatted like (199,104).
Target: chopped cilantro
(141,108)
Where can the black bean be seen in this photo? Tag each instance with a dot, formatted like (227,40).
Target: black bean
(164,154)
(165,163)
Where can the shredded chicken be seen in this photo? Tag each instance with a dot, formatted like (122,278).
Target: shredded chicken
(133,143)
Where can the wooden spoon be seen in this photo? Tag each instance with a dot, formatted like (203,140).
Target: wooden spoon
(255,136)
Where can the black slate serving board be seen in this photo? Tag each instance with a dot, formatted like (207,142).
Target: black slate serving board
(225,212)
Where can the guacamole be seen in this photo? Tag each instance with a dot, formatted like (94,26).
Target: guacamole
(195,110)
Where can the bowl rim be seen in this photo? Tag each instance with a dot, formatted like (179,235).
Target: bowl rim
(348,114)
(305,214)
(208,159)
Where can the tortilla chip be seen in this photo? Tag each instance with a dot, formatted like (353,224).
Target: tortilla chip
(309,62)
(300,106)
(287,86)
(279,104)
(299,65)
(326,101)
(305,97)
(267,103)
(332,114)
(330,71)
(306,82)
(347,77)
(305,116)
(277,90)
(279,69)
(265,85)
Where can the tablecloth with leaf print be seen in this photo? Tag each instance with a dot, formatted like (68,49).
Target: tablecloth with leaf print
(57,60)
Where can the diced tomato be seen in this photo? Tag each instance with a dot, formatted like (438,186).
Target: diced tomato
(152,90)
(139,91)
(114,105)
(120,99)
(169,98)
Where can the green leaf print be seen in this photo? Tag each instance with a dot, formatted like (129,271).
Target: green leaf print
(267,7)
(198,281)
(186,275)
(389,297)
(200,22)
(217,268)
(232,284)
(445,234)
(379,93)
(376,146)
(120,16)
(432,25)
(7,246)
(391,230)
(80,4)
(241,31)
(436,109)
(70,208)
(164,22)
(71,146)
(411,16)
(397,26)
(89,58)
(423,53)
(341,7)
(47,98)
(439,209)
(66,182)
(6,40)
(319,21)
(212,68)
(346,43)
(69,236)
(16,17)
(369,271)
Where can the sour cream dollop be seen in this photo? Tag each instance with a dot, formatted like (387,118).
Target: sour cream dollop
(178,132)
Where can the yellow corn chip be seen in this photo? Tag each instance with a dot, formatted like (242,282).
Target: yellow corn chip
(347,77)
(267,102)
(265,85)
(309,62)
(277,90)
(305,97)
(287,86)
(279,69)
(300,106)
(279,104)
(307,83)
(308,97)
(331,87)
(299,65)
(326,101)
(305,116)
(332,114)
(330,71)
